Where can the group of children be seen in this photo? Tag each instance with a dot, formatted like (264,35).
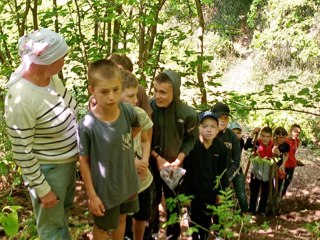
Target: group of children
(115,129)
(116,140)
(271,147)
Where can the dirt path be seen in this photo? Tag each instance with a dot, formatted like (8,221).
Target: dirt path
(300,206)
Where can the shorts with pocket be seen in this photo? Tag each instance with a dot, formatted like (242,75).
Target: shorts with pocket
(110,220)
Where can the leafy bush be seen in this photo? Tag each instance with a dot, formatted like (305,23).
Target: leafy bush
(286,32)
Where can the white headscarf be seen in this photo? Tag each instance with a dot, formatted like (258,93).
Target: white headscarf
(42,47)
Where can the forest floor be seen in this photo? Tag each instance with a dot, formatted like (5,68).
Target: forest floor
(299,218)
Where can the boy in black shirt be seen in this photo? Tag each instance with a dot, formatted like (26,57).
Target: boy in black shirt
(230,139)
(206,161)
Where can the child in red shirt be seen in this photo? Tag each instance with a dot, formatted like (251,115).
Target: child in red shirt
(294,142)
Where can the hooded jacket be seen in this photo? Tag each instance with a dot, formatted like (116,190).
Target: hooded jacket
(175,128)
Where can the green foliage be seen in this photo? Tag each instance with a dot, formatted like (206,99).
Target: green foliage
(226,213)
(9,220)
(286,32)
(229,217)
(255,15)
(259,160)
(229,16)
(314,229)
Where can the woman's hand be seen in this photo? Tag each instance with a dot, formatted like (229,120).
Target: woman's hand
(50,200)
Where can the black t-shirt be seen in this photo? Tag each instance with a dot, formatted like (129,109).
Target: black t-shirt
(202,167)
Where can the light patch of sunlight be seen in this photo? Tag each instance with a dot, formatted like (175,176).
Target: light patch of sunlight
(102,170)
(16,128)
(62,2)
(237,77)
(17,100)
(86,121)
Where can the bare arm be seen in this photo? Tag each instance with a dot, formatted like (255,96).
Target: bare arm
(145,145)
(143,164)
(95,205)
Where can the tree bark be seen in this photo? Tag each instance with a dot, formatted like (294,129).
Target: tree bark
(85,62)
(153,29)
(199,67)
(6,56)
(34,11)
(146,40)
(56,17)
(116,30)
(142,33)
(21,21)
(125,31)
(151,39)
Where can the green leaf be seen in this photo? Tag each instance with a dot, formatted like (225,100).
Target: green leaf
(317,85)
(268,87)
(278,104)
(3,168)
(293,77)
(304,91)
(10,224)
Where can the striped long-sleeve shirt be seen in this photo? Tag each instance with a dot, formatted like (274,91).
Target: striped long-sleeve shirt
(42,126)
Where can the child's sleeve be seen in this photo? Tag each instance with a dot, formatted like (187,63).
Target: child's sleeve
(144,119)
(235,157)
(223,166)
(191,133)
(83,136)
(134,119)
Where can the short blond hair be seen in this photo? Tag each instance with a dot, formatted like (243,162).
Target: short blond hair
(102,69)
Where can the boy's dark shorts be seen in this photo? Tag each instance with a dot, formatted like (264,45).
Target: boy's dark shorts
(144,205)
(110,220)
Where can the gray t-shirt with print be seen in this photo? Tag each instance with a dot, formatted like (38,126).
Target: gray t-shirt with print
(110,150)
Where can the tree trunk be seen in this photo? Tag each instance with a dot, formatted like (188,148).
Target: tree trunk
(200,53)
(56,17)
(6,56)
(142,33)
(35,15)
(85,62)
(116,30)
(21,21)
(125,31)
(151,39)
(153,29)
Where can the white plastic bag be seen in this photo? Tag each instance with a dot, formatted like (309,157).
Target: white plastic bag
(171,176)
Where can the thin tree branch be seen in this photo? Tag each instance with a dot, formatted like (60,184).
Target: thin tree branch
(281,109)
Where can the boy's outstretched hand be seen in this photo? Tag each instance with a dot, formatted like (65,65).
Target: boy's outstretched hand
(96,206)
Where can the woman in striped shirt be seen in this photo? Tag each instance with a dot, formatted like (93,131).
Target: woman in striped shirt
(41,120)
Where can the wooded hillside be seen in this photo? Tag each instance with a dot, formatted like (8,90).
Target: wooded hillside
(259,56)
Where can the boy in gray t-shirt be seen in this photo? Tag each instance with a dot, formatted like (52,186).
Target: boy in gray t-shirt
(106,153)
